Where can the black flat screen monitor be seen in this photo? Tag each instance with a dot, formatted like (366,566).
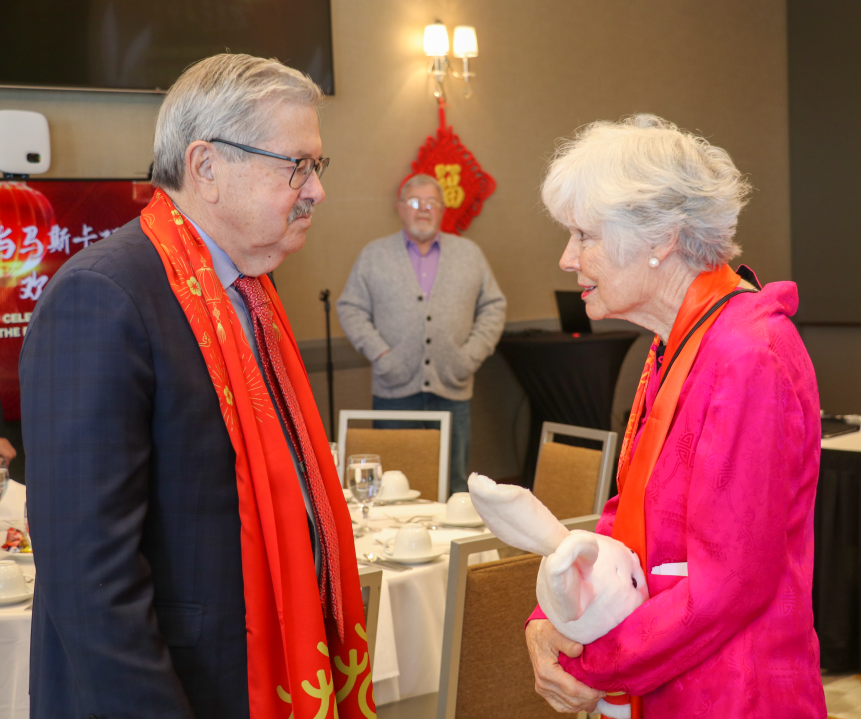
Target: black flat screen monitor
(572,312)
(121,45)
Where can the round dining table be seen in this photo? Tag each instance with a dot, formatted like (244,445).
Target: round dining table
(412,603)
(15,622)
(409,630)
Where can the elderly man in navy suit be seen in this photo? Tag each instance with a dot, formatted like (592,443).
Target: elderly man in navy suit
(141,456)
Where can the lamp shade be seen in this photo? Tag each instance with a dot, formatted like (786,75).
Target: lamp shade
(465,42)
(436,40)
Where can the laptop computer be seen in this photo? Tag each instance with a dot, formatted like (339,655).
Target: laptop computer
(572,312)
(836,427)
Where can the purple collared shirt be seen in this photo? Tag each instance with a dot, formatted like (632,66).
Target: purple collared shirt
(425,266)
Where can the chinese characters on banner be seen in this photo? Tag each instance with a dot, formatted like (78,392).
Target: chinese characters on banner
(42,224)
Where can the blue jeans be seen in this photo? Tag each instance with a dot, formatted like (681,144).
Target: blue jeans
(429,402)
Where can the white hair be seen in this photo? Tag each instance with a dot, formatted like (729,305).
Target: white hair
(636,183)
(419,181)
(225,96)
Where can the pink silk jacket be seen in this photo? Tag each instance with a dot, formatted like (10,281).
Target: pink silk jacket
(731,495)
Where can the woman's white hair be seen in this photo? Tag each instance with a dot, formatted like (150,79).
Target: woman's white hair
(637,183)
(227,96)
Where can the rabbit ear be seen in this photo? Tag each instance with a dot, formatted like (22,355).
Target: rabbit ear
(569,571)
(514,515)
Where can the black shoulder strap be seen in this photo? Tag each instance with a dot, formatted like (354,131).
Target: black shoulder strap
(723,300)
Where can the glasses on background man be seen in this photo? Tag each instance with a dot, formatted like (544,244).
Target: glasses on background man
(423,204)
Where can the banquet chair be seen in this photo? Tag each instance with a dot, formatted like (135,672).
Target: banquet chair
(423,455)
(371,582)
(486,670)
(574,481)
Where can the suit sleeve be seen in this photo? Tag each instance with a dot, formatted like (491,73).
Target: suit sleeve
(87,385)
(737,513)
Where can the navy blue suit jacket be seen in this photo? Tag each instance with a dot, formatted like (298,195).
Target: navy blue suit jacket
(132,499)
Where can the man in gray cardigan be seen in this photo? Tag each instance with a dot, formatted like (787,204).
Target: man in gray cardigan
(424,308)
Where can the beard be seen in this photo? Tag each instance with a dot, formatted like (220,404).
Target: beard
(423,232)
(302,208)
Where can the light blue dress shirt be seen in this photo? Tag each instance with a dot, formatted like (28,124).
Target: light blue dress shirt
(227,274)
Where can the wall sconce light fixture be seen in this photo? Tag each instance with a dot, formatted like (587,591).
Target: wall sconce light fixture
(437,47)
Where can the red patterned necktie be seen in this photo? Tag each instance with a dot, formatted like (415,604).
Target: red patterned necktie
(288,407)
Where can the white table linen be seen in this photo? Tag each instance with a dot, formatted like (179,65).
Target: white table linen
(409,629)
(15,660)
(15,621)
(845,442)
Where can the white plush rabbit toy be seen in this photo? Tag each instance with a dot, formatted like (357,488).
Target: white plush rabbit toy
(587,583)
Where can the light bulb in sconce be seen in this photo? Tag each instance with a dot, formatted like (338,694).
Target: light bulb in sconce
(436,47)
(436,40)
(465,42)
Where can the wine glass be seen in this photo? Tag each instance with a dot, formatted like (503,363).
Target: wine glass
(4,476)
(364,472)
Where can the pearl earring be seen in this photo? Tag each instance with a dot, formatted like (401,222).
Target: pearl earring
(654,262)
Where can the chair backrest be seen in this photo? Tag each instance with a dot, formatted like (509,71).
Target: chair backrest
(423,455)
(371,581)
(486,670)
(573,481)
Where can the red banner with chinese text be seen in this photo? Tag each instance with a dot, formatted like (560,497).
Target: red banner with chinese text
(42,224)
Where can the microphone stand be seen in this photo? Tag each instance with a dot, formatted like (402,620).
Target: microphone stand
(330,368)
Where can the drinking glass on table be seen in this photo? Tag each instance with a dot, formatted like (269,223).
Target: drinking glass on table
(364,472)
(4,475)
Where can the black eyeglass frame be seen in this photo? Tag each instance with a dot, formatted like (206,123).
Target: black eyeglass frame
(319,166)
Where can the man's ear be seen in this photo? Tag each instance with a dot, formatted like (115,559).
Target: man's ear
(200,171)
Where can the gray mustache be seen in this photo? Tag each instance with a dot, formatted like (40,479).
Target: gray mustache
(302,208)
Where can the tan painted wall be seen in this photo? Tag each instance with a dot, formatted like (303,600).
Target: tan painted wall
(545,68)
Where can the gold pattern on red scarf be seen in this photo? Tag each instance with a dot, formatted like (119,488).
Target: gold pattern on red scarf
(288,407)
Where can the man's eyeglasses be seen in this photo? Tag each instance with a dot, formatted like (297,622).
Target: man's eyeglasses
(417,204)
(304,165)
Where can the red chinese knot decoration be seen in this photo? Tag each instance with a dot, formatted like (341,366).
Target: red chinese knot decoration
(465,185)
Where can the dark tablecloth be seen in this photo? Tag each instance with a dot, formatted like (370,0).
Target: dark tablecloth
(837,561)
(567,379)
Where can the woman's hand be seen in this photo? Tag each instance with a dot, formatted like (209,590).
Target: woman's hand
(562,691)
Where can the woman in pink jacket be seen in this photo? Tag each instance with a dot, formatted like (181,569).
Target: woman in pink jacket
(720,459)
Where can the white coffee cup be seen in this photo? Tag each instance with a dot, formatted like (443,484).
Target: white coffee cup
(394,485)
(12,582)
(412,540)
(459,509)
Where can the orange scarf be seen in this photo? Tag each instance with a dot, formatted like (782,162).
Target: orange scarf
(297,665)
(634,472)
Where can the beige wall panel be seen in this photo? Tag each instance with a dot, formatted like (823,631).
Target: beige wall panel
(543,70)
(93,134)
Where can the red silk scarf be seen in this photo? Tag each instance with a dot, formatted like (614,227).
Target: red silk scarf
(634,471)
(297,664)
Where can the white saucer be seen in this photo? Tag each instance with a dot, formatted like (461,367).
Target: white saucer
(17,598)
(413,560)
(474,523)
(411,494)
(20,557)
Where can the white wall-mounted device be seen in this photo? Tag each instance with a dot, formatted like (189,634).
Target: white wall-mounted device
(25,143)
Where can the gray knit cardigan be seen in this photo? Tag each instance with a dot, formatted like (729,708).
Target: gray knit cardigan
(436,343)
